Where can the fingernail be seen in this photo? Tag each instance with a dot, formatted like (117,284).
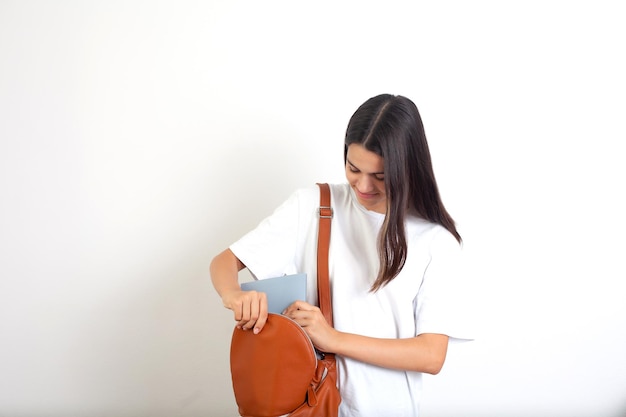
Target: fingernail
(256,330)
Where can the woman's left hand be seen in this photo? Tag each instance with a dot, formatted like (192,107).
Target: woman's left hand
(311,319)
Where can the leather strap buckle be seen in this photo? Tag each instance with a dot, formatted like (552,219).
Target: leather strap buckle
(325,212)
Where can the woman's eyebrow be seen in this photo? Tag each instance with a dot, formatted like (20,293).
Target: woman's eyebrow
(357,168)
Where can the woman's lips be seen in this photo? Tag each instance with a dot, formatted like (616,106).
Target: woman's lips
(366,196)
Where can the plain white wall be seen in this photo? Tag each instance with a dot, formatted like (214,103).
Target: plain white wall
(140,138)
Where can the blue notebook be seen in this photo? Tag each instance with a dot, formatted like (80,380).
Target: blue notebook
(281,291)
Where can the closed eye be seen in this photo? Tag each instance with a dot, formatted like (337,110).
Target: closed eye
(379,176)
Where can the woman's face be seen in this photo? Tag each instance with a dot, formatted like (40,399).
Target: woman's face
(366,176)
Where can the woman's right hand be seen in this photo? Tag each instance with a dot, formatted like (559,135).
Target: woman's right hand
(249,307)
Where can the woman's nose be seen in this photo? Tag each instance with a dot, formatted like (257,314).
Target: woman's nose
(365,184)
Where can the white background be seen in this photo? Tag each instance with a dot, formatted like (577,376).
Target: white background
(140,138)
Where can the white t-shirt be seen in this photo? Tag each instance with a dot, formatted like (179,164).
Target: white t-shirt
(423,298)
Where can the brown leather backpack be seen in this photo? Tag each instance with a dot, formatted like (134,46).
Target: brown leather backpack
(278,371)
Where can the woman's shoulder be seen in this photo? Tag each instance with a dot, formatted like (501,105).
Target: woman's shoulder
(307,196)
(420,229)
(338,192)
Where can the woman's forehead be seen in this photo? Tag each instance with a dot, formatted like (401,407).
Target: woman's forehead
(365,160)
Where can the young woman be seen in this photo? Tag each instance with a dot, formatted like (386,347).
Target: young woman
(393,264)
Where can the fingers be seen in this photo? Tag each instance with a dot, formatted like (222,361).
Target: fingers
(250,309)
(254,311)
(299,305)
(303,313)
(311,319)
(258,326)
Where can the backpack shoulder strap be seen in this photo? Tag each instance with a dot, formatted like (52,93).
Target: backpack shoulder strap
(325,213)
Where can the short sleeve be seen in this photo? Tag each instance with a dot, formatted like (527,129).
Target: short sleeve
(269,249)
(442,304)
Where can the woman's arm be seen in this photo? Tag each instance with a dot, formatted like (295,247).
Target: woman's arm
(250,307)
(225,268)
(424,353)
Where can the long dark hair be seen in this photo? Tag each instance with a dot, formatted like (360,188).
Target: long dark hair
(391,127)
